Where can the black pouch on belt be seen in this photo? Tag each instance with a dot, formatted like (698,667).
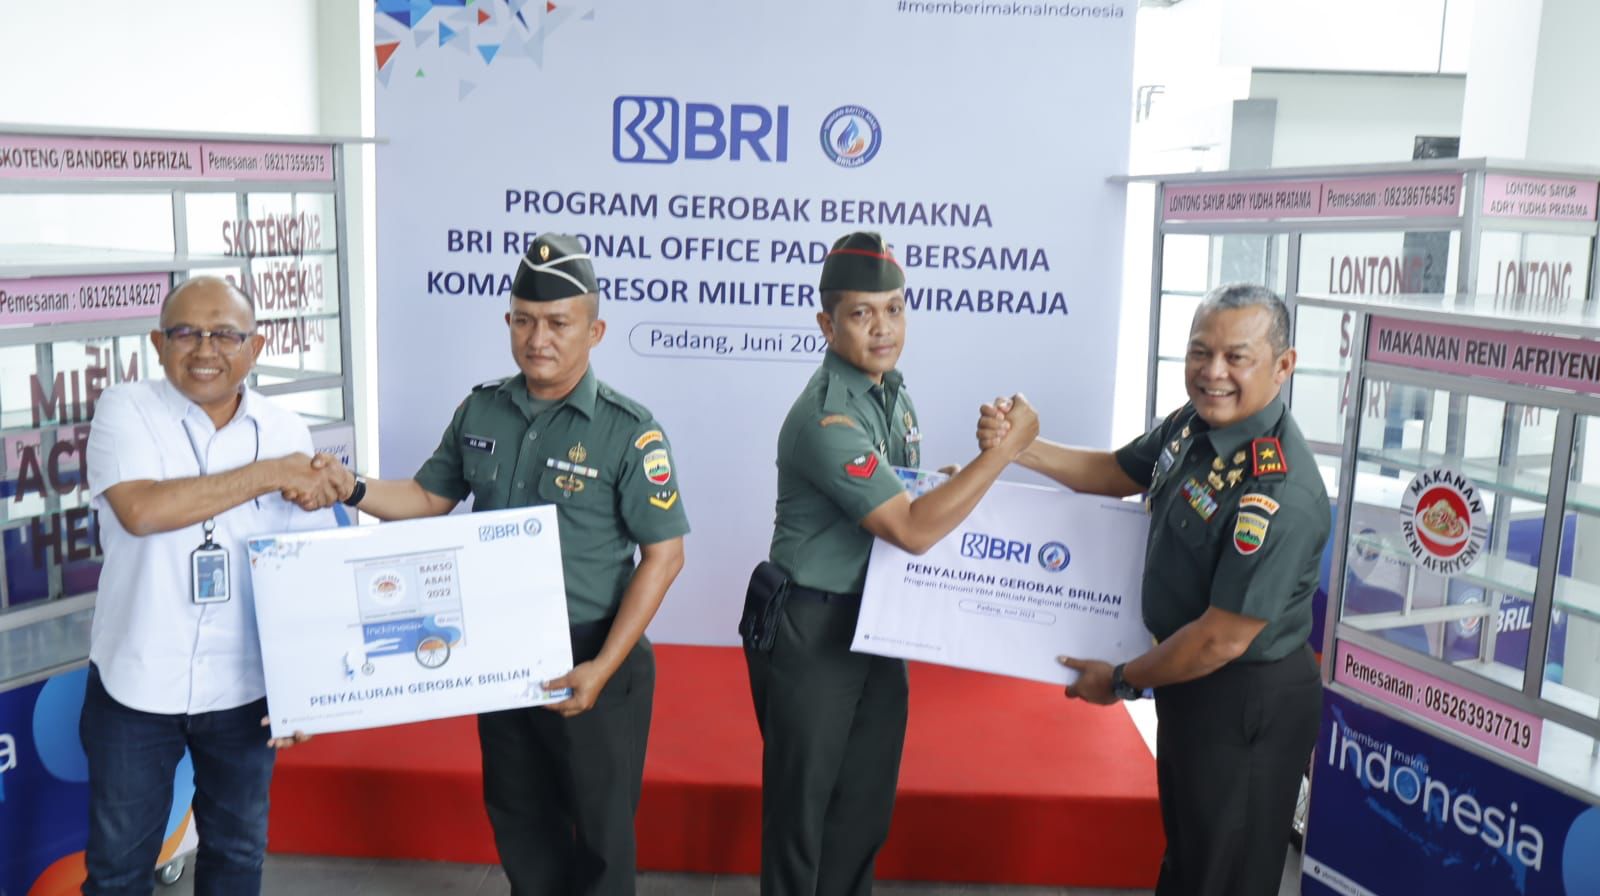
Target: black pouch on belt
(763,606)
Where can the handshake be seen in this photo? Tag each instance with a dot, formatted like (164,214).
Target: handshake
(1009,423)
(311,482)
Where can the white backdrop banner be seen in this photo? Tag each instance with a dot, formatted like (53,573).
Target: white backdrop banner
(708,153)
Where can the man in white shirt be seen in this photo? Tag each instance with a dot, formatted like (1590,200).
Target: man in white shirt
(182,471)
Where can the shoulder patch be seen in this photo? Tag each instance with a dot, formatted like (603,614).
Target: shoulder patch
(664,499)
(838,419)
(491,384)
(1249,533)
(1259,502)
(657,467)
(647,438)
(1266,457)
(627,405)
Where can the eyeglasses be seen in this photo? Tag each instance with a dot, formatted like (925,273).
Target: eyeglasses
(226,341)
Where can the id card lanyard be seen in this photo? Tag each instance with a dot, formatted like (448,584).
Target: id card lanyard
(210,578)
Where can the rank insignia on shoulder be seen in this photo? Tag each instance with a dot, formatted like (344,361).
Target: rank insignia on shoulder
(648,438)
(1266,457)
(862,467)
(837,420)
(1259,502)
(1249,533)
(664,500)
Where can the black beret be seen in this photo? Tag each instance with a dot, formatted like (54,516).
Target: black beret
(861,262)
(556,267)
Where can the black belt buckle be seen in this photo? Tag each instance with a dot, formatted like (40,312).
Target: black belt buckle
(763,606)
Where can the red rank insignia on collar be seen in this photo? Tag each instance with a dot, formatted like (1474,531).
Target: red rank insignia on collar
(1266,457)
(862,467)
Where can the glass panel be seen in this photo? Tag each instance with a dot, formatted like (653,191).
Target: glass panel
(1323,338)
(297,347)
(1572,661)
(1541,270)
(1381,263)
(53,228)
(1445,529)
(316,405)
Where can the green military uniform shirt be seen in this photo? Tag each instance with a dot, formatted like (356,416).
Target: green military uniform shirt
(1238,520)
(834,457)
(597,455)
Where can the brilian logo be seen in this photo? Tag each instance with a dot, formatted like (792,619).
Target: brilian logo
(1054,556)
(851,136)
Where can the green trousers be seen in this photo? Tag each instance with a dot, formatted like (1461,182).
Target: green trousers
(833,724)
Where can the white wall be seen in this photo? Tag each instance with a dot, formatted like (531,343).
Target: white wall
(194,65)
(1337,119)
(1349,35)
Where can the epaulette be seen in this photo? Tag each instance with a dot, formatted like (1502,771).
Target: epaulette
(491,384)
(1266,458)
(628,405)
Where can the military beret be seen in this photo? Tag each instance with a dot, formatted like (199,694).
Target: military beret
(555,267)
(861,262)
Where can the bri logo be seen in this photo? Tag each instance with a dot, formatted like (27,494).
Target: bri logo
(529,527)
(988,547)
(658,130)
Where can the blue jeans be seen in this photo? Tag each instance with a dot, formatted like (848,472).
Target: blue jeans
(133,756)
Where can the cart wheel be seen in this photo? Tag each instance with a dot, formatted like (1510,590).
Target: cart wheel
(367,669)
(168,874)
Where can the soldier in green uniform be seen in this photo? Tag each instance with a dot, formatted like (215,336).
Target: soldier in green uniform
(833,721)
(561,782)
(1238,520)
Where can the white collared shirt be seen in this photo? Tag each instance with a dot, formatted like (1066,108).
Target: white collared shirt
(156,649)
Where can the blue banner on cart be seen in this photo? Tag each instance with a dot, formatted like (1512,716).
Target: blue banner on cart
(1397,811)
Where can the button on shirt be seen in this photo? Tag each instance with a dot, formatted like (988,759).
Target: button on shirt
(156,649)
(834,455)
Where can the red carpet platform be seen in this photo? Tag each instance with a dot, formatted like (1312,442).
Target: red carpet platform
(1003,781)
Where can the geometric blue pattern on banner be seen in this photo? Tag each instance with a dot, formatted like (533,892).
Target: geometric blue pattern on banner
(488,51)
(445,33)
(399,10)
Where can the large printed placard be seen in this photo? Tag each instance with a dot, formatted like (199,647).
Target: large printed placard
(707,165)
(1032,574)
(1390,196)
(60,300)
(1481,718)
(1524,359)
(1395,810)
(380,625)
(24,156)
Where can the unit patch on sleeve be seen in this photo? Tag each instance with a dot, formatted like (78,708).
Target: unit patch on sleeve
(648,438)
(862,467)
(657,467)
(837,420)
(1249,532)
(1258,501)
(664,499)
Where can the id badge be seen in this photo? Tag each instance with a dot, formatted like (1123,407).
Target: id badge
(209,581)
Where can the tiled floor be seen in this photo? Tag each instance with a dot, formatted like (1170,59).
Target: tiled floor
(313,876)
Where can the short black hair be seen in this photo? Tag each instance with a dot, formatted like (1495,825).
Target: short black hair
(831,299)
(1250,295)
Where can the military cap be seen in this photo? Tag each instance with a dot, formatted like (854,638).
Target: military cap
(861,262)
(555,267)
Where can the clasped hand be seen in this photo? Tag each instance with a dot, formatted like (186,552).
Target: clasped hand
(314,482)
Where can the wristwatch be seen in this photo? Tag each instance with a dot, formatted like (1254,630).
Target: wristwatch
(1120,686)
(357,493)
